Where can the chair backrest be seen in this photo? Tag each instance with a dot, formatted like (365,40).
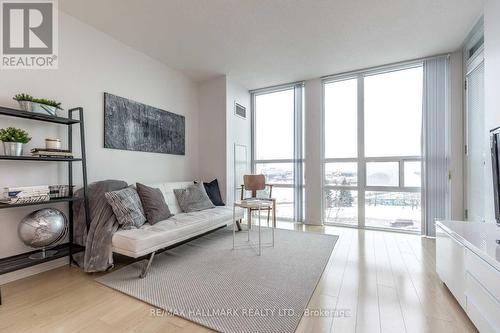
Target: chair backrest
(254,183)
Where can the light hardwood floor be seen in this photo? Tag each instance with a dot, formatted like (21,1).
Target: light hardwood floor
(385,282)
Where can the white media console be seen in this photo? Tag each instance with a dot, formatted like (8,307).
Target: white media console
(468,262)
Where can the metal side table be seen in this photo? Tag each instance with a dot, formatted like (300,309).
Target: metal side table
(256,204)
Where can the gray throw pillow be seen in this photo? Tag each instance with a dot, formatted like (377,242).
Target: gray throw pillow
(127,207)
(193,198)
(153,203)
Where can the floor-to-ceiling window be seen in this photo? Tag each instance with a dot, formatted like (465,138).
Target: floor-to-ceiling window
(278,146)
(372,149)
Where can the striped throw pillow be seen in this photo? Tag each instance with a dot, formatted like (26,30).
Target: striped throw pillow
(127,207)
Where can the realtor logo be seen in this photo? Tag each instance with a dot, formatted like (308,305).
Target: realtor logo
(29,34)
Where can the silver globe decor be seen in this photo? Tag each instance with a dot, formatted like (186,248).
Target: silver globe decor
(43,229)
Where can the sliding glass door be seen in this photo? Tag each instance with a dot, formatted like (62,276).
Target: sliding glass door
(277,146)
(372,149)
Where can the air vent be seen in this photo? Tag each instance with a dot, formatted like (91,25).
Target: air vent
(240,110)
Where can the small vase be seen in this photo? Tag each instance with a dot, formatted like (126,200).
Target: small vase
(13,148)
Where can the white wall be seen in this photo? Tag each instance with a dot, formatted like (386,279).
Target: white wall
(238,131)
(212,131)
(220,129)
(90,64)
(492,88)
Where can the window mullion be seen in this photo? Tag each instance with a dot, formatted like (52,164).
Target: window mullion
(361,152)
(401,173)
(252,133)
(297,163)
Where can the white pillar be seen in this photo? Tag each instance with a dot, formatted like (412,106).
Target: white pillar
(313,145)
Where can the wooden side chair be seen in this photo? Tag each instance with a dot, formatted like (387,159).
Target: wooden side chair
(254,183)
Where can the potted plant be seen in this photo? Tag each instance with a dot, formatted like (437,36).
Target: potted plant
(14,140)
(38,105)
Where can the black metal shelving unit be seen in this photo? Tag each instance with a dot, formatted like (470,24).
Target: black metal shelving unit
(51,201)
(34,158)
(22,260)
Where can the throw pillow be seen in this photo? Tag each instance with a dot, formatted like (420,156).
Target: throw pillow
(213,192)
(127,207)
(153,203)
(193,198)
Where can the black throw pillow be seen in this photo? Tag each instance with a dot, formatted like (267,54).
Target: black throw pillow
(153,202)
(213,192)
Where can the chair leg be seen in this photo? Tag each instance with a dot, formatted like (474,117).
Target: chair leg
(238,225)
(274,214)
(268,216)
(249,226)
(146,267)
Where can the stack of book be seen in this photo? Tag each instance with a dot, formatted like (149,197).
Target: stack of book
(45,152)
(27,194)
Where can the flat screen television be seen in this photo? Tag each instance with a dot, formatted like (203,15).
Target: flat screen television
(495,161)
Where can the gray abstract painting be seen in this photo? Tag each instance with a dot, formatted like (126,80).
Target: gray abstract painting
(130,125)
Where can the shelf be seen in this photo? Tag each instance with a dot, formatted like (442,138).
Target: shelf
(49,202)
(34,158)
(36,116)
(20,261)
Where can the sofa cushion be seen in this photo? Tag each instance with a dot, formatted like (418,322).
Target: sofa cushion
(167,189)
(149,238)
(213,192)
(193,198)
(153,203)
(127,207)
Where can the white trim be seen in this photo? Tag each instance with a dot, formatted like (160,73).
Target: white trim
(476,60)
(379,69)
(280,87)
(469,64)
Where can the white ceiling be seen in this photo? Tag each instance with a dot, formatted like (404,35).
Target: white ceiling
(265,42)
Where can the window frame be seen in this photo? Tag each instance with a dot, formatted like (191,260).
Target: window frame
(361,158)
(298,161)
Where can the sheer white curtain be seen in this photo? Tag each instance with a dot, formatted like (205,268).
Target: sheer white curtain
(435,140)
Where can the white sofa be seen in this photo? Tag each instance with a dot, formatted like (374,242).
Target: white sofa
(148,239)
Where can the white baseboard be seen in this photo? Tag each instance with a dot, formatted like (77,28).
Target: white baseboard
(22,273)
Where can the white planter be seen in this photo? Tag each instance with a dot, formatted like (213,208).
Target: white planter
(13,148)
(44,109)
(37,108)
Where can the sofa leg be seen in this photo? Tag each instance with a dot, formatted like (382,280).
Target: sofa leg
(146,267)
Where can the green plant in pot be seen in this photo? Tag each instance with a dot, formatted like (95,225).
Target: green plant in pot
(14,140)
(38,105)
